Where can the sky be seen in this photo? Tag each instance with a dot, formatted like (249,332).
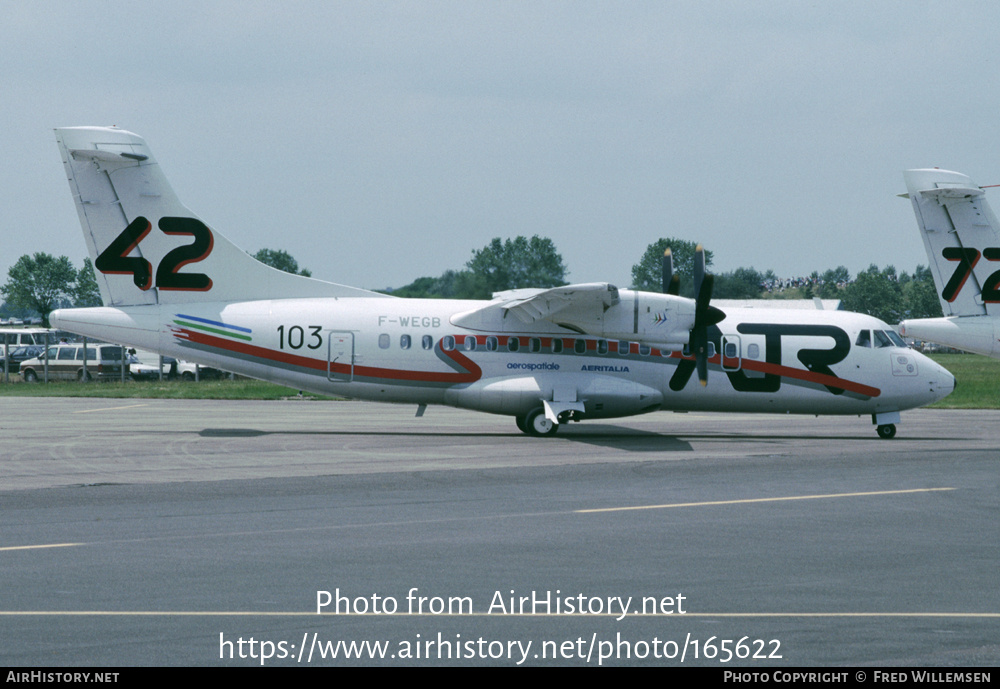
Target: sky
(378,142)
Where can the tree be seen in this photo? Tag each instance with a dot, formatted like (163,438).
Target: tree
(40,283)
(282,260)
(86,291)
(647,273)
(876,293)
(451,285)
(520,262)
(920,295)
(742,283)
(833,281)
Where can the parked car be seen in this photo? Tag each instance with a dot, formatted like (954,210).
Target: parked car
(146,366)
(19,354)
(104,361)
(189,371)
(17,337)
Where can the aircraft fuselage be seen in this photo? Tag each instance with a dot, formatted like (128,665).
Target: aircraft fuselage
(410,350)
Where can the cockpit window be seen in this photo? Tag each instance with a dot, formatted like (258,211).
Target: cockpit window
(896,339)
(864,339)
(881,339)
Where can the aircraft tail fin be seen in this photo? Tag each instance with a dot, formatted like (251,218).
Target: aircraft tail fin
(962,238)
(147,248)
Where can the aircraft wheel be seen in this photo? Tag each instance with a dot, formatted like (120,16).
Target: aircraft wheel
(537,425)
(519,420)
(887,431)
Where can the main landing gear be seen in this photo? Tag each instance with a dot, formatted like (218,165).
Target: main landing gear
(536,423)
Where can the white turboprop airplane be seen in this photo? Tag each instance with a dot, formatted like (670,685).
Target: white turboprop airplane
(959,231)
(544,356)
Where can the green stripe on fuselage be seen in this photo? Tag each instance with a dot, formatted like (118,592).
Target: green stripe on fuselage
(216,331)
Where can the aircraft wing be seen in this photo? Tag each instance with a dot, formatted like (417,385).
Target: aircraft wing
(532,305)
(593,308)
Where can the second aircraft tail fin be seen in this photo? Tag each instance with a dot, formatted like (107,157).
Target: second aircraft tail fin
(962,238)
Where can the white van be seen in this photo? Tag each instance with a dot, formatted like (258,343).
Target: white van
(17,337)
(104,362)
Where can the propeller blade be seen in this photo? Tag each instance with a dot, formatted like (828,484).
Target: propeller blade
(682,375)
(671,283)
(702,298)
(705,314)
(702,363)
(699,268)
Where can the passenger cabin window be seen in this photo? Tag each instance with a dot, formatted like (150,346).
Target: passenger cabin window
(534,345)
(513,344)
(427,342)
(580,346)
(404,341)
(470,343)
(623,347)
(557,345)
(448,343)
(492,344)
(602,346)
(730,350)
(383,341)
(644,349)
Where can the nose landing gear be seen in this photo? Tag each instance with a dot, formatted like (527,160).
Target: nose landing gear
(887,431)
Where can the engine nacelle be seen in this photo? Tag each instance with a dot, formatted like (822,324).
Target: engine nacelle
(662,320)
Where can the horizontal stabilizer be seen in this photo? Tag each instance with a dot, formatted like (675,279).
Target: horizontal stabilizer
(943,194)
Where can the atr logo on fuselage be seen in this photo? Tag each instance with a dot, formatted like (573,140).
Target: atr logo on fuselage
(115,260)
(817,361)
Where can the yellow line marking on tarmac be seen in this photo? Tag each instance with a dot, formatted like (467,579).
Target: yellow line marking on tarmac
(613,615)
(34,547)
(127,406)
(751,500)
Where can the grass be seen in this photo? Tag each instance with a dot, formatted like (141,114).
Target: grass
(977,381)
(978,387)
(239,389)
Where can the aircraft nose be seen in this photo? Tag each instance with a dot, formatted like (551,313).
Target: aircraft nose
(940,381)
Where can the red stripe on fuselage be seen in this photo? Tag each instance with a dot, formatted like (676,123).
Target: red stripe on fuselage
(472,371)
(797,373)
